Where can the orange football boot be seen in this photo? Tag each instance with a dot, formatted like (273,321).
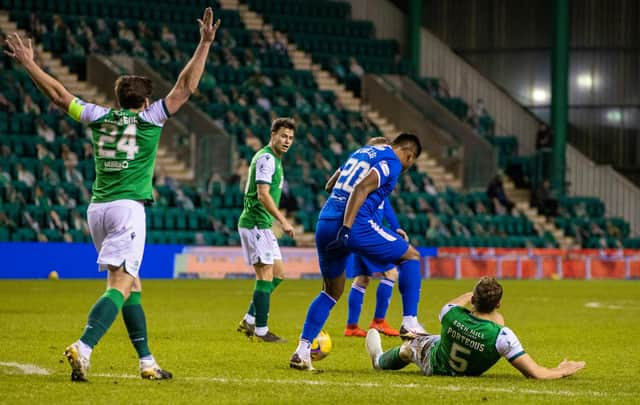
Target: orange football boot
(383,327)
(354,330)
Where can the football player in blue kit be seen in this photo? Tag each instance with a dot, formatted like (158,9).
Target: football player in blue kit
(348,224)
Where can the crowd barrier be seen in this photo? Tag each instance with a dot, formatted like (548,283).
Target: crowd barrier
(534,263)
(77,260)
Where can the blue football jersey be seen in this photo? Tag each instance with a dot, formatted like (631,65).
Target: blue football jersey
(384,161)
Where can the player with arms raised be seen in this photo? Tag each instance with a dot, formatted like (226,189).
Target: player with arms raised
(348,223)
(469,343)
(259,244)
(125,143)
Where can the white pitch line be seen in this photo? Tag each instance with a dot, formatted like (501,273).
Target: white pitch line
(422,384)
(596,304)
(25,368)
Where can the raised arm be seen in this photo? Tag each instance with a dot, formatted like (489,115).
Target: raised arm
(23,54)
(530,369)
(190,76)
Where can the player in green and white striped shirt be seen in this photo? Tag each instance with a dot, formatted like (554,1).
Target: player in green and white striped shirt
(259,244)
(125,142)
(470,341)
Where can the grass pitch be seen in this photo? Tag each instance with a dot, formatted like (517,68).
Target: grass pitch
(192,333)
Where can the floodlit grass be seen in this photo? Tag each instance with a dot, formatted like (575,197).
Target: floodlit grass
(192,333)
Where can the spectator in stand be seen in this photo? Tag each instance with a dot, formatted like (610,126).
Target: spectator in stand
(6,222)
(612,230)
(63,199)
(436,228)
(580,210)
(542,199)
(72,174)
(49,175)
(169,37)
(334,145)
(5,177)
(66,130)
(337,69)
(25,175)
(6,105)
(144,32)
(87,151)
(496,193)
(544,137)
(319,162)
(257,42)
(159,54)
(115,48)
(44,131)
(40,199)
(262,100)
(251,140)
(279,43)
(44,154)
(459,229)
(138,50)
(124,33)
(29,106)
(354,78)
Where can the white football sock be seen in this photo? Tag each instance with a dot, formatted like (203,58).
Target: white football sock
(262,330)
(304,349)
(410,322)
(85,349)
(250,319)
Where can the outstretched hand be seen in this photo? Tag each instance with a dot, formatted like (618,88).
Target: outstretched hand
(20,52)
(207,28)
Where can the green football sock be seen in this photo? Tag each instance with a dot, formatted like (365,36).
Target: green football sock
(390,360)
(261,297)
(136,324)
(252,308)
(101,316)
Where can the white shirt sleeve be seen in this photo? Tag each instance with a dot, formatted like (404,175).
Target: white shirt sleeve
(82,111)
(444,310)
(508,345)
(265,168)
(156,113)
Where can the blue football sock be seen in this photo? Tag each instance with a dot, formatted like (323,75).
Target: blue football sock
(356,296)
(317,316)
(383,297)
(409,283)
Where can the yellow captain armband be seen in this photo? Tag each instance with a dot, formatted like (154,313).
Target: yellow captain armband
(75,109)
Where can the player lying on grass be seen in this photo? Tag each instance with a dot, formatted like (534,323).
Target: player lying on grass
(348,223)
(125,142)
(470,341)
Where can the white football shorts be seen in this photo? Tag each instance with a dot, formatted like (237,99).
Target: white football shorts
(118,230)
(259,246)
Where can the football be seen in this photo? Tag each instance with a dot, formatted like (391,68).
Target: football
(321,346)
